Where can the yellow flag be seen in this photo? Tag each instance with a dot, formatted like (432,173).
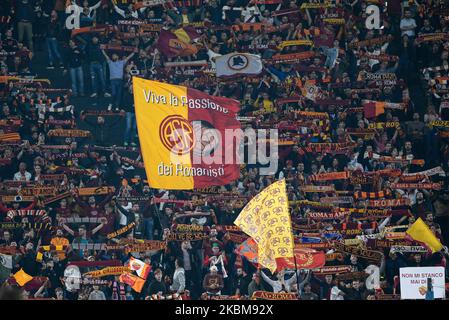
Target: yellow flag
(267,220)
(22,278)
(419,231)
(182,35)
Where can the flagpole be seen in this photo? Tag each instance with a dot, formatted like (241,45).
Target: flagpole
(156,211)
(296,272)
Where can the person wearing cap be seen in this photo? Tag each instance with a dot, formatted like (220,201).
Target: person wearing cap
(213,282)
(215,258)
(208,243)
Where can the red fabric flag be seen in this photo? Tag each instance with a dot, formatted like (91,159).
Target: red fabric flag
(248,249)
(34,284)
(305,258)
(177,43)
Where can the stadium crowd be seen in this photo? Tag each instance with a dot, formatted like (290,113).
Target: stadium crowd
(361,115)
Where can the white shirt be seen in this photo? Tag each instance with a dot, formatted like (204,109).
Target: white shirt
(179,281)
(186,256)
(211,55)
(408,22)
(134,14)
(79,9)
(277,285)
(335,294)
(124,219)
(250,13)
(19,177)
(227,8)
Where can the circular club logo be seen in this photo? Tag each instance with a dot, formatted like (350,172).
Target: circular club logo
(238,62)
(176,134)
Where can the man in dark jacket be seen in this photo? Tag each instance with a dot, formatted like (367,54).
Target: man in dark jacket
(157,286)
(353,291)
(28,262)
(53,30)
(74,60)
(393,265)
(241,282)
(25,15)
(325,286)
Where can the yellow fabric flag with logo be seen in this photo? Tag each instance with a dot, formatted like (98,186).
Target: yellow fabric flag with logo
(267,220)
(420,232)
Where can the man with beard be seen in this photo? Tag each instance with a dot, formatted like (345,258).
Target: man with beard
(241,282)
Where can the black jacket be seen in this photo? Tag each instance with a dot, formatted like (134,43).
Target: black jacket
(25,11)
(94,53)
(353,294)
(29,265)
(53,28)
(156,286)
(74,57)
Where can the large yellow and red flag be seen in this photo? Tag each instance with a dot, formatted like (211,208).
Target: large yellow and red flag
(182,136)
(267,220)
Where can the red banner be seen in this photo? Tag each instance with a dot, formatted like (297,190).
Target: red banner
(305,259)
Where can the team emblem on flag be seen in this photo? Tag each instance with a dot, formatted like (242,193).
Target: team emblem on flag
(141,268)
(238,64)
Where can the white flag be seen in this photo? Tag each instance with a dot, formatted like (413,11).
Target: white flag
(238,63)
(6,261)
